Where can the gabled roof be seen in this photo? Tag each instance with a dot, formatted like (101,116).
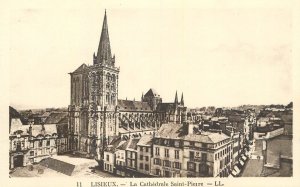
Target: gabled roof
(114,144)
(128,105)
(172,130)
(13,113)
(55,118)
(123,145)
(16,126)
(207,137)
(145,140)
(166,107)
(133,144)
(49,129)
(81,68)
(151,93)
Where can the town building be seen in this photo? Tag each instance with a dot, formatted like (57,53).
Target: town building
(110,155)
(31,143)
(120,153)
(144,154)
(180,151)
(131,158)
(60,119)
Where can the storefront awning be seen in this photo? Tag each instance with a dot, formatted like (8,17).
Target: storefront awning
(237,169)
(241,162)
(234,173)
(244,157)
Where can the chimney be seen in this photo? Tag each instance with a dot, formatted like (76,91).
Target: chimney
(43,129)
(30,121)
(30,131)
(190,128)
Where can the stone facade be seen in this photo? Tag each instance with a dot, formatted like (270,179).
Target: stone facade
(30,144)
(179,152)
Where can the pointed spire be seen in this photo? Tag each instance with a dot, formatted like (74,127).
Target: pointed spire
(104,51)
(176,98)
(182,101)
(142,99)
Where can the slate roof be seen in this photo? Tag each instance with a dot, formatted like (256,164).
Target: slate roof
(55,118)
(207,137)
(172,130)
(146,140)
(16,125)
(166,107)
(180,131)
(114,144)
(50,129)
(13,113)
(123,145)
(151,93)
(133,144)
(81,68)
(128,105)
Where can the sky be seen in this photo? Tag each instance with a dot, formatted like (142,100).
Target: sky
(215,54)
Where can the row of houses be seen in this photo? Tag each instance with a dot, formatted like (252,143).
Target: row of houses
(175,150)
(30,142)
(271,120)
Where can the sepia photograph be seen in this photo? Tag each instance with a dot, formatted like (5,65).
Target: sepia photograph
(188,90)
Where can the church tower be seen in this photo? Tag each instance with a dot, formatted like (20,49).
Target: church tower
(94,96)
(104,75)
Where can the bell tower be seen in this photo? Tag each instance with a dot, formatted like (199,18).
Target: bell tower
(104,74)
(94,96)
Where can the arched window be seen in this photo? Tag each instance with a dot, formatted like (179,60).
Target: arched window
(108,77)
(113,77)
(107,98)
(112,99)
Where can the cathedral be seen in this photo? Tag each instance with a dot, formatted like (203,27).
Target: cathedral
(97,115)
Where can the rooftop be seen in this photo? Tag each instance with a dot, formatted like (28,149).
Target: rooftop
(151,93)
(129,105)
(207,137)
(57,117)
(18,127)
(172,130)
(133,144)
(165,107)
(145,140)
